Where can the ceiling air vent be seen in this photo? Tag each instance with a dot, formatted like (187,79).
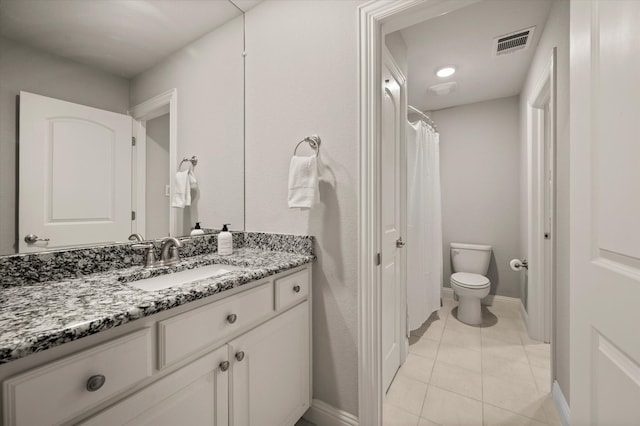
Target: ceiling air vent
(512,42)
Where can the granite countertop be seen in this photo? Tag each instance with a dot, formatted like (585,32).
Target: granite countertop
(43,315)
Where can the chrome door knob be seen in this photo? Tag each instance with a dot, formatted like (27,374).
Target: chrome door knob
(240,355)
(95,382)
(33,238)
(224,365)
(400,243)
(232,318)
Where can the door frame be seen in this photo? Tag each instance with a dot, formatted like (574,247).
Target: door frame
(374,19)
(161,104)
(541,292)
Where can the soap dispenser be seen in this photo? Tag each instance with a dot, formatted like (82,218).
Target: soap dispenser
(197,230)
(225,241)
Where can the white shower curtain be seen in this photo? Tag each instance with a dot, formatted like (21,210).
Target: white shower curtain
(424,223)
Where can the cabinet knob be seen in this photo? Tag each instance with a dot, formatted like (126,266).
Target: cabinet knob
(232,318)
(240,355)
(95,382)
(224,365)
(296,288)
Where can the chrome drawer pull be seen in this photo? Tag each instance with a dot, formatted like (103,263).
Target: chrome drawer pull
(95,382)
(296,288)
(224,366)
(240,356)
(232,318)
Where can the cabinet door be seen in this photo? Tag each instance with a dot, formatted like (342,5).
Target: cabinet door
(197,394)
(270,371)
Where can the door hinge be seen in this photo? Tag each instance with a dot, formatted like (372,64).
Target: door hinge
(133,215)
(378,259)
(133,141)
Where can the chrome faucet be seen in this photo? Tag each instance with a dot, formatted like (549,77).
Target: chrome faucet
(169,253)
(150,256)
(134,237)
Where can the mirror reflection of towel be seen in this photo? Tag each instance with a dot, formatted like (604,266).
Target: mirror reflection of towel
(182,190)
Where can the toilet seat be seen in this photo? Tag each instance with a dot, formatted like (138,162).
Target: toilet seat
(470,281)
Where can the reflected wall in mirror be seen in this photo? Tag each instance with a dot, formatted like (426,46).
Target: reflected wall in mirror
(114,55)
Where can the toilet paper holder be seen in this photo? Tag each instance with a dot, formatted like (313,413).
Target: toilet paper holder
(517,264)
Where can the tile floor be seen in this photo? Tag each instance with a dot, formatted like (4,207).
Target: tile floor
(457,374)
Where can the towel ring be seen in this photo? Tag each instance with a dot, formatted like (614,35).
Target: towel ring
(314,142)
(193,160)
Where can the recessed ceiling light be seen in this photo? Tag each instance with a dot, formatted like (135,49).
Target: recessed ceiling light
(447,71)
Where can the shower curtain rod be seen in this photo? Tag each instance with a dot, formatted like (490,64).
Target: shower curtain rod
(430,122)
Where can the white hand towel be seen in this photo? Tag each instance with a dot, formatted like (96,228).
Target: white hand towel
(182,191)
(303,182)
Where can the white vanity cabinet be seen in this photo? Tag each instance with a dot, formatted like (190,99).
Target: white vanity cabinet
(240,360)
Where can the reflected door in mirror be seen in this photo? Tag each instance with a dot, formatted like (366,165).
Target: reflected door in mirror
(74,176)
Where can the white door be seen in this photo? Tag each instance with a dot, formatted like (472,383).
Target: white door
(197,394)
(270,370)
(391,121)
(605,212)
(75,174)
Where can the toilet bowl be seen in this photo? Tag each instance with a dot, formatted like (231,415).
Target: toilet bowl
(470,289)
(470,263)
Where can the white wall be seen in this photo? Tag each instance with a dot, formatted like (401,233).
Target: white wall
(480,172)
(209,76)
(556,33)
(31,70)
(302,79)
(398,49)
(157,177)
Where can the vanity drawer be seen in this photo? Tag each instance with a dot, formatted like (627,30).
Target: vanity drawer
(63,389)
(291,289)
(186,333)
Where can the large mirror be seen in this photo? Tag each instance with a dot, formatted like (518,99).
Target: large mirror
(70,68)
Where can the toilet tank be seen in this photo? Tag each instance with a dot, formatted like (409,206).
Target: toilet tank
(473,258)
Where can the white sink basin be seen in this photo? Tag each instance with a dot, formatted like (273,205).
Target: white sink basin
(183,277)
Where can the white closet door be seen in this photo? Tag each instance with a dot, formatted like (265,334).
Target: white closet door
(605,212)
(75,174)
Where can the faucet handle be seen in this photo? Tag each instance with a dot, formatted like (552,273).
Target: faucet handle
(150,255)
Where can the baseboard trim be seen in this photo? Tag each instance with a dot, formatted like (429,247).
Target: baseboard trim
(322,414)
(561,403)
(524,314)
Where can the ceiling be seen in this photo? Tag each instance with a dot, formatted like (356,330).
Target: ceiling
(464,38)
(123,37)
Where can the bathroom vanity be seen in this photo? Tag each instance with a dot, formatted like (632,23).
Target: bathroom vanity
(230,349)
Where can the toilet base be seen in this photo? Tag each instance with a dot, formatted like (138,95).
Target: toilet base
(469,310)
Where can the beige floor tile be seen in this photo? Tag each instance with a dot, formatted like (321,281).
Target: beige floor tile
(448,408)
(514,396)
(394,416)
(456,325)
(507,369)
(500,349)
(503,310)
(505,332)
(427,422)
(407,394)
(553,418)
(539,355)
(458,380)
(425,347)
(431,329)
(494,416)
(417,367)
(542,375)
(466,340)
(458,356)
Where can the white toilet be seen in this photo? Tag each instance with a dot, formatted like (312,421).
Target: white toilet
(469,283)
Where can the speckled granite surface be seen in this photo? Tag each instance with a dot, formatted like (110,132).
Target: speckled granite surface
(23,269)
(38,316)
